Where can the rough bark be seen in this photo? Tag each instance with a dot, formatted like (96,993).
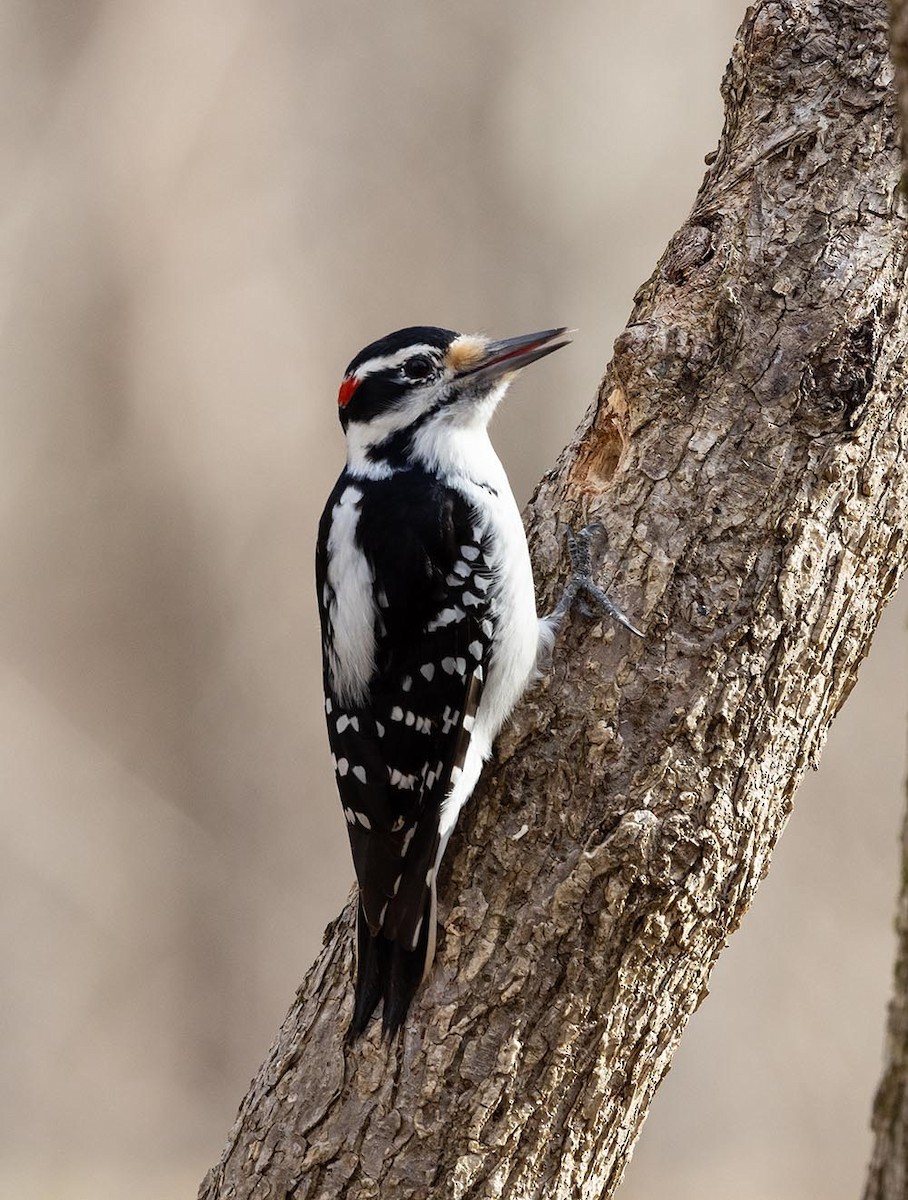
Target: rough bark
(746,452)
(887,1177)
(898,44)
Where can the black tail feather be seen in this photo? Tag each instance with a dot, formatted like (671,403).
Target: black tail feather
(389,971)
(406,970)
(371,968)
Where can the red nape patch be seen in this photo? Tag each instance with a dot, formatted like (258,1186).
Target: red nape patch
(346,390)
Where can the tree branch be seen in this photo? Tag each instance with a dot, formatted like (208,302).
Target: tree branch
(746,452)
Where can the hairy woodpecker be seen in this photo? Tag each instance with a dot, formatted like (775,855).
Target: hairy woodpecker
(429,625)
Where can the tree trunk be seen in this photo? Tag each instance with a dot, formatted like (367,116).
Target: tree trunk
(746,454)
(888,1174)
(898,43)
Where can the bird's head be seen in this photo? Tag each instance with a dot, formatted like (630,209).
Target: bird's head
(416,383)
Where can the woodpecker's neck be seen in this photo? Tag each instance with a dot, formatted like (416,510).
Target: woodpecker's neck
(450,440)
(460,453)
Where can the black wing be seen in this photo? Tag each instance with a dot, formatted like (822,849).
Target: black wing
(398,750)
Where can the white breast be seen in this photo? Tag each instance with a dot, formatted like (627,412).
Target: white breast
(517,626)
(482,479)
(457,445)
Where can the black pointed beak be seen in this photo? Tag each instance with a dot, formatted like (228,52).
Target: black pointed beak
(510,354)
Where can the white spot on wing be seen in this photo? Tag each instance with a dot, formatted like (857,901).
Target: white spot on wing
(399,780)
(449,719)
(447,616)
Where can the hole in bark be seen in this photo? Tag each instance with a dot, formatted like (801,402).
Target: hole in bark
(598,460)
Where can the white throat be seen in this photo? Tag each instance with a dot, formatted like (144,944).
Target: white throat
(454,441)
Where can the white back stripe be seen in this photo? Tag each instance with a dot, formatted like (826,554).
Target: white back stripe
(351,657)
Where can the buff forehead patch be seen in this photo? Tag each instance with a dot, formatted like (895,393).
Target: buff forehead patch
(466,351)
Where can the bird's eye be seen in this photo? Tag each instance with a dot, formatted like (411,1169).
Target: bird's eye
(420,366)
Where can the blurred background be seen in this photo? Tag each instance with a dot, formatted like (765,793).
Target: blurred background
(209,206)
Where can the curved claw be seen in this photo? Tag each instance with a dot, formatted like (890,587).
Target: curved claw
(604,603)
(593,600)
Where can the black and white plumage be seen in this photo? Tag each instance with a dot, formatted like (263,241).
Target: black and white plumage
(429,626)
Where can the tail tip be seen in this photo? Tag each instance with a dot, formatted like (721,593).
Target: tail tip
(390,972)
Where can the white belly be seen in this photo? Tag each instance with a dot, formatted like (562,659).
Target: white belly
(517,626)
(513,660)
(458,446)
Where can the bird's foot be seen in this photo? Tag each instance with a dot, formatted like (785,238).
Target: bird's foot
(586,549)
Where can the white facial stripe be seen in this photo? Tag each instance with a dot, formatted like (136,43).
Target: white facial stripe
(385,361)
(363,436)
